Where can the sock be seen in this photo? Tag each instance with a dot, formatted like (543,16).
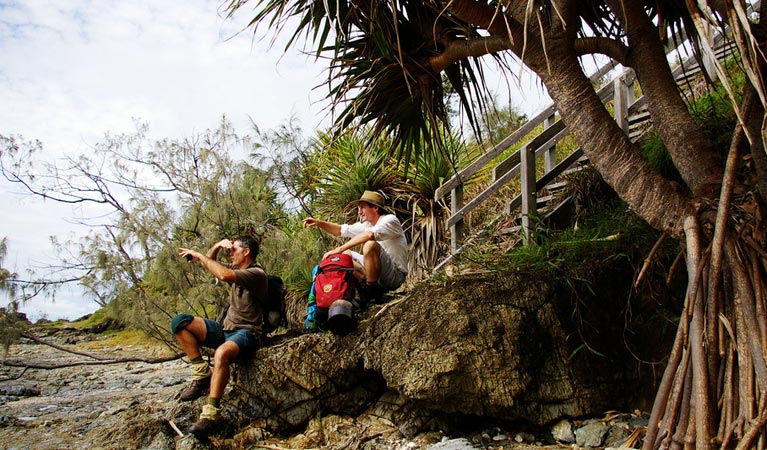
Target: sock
(209,412)
(214,401)
(197,360)
(200,370)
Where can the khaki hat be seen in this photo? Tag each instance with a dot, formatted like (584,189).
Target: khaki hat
(374,198)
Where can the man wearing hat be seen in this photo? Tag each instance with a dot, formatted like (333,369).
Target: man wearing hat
(384,247)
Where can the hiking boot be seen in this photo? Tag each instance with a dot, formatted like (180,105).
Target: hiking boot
(203,428)
(372,293)
(197,389)
(207,423)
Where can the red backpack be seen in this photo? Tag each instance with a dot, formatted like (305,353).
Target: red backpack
(335,280)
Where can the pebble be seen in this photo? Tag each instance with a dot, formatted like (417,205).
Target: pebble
(19,391)
(453,444)
(562,432)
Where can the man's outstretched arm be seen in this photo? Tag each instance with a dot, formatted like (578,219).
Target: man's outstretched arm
(209,261)
(330,227)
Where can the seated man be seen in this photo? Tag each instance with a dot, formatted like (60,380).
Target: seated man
(241,330)
(384,247)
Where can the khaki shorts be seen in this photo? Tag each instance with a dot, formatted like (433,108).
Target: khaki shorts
(390,277)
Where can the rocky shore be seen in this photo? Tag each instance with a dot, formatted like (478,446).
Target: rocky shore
(135,405)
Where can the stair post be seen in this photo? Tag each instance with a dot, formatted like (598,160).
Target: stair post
(527,180)
(709,60)
(456,231)
(623,96)
(550,157)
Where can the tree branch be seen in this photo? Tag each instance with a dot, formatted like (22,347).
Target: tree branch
(602,46)
(461,49)
(99,358)
(28,365)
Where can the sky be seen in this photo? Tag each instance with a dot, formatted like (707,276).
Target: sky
(72,71)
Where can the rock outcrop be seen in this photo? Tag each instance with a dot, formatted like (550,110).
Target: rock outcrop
(498,346)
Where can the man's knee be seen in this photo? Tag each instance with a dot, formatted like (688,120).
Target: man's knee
(371,247)
(180,322)
(226,353)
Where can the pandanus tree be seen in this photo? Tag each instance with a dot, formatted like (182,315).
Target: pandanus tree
(392,64)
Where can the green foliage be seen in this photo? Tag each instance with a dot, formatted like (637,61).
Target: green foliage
(605,229)
(715,114)
(344,168)
(656,153)
(92,320)
(413,200)
(155,198)
(378,76)
(499,123)
(11,326)
(716,117)
(5,275)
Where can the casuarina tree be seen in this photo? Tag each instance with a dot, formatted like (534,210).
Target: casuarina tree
(392,64)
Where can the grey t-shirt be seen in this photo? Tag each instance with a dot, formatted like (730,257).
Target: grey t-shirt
(246,300)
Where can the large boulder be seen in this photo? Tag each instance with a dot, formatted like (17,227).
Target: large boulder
(495,345)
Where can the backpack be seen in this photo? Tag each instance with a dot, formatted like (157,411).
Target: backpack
(274,309)
(315,320)
(334,280)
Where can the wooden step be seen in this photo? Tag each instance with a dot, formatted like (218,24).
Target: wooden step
(640,117)
(556,186)
(544,200)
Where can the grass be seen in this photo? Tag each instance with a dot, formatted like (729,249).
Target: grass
(91,320)
(129,338)
(603,231)
(110,338)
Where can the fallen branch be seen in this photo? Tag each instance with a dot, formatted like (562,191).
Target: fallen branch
(34,337)
(28,365)
(99,359)
(175,428)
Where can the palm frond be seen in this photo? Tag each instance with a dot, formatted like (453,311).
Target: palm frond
(380,73)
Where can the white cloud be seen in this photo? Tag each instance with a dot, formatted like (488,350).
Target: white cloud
(72,71)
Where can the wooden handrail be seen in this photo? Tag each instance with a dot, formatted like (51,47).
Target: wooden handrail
(501,175)
(467,172)
(538,144)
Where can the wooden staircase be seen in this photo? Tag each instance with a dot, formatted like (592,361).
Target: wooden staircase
(629,112)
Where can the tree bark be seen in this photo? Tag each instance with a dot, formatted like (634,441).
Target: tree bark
(697,163)
(655,199)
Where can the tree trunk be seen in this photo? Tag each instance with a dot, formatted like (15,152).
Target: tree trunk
(714,389)
(697,162)
(654,198)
